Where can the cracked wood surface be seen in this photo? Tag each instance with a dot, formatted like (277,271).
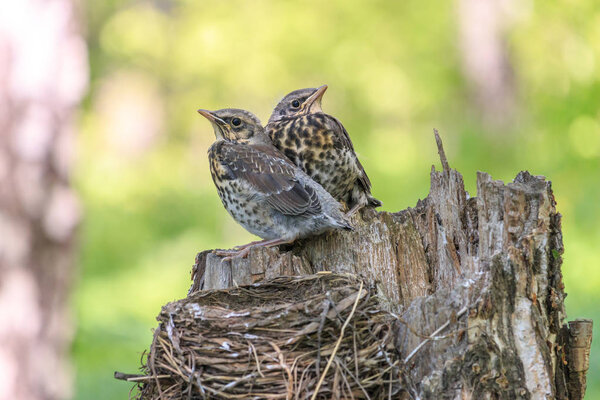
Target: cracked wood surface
(498,254)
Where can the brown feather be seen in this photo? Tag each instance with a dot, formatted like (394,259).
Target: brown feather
(342,133)
(270,174)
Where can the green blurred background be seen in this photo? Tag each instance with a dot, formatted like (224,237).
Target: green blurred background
(395,70)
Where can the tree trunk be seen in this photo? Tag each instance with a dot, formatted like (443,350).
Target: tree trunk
(474,284)
(483,27)
(43,75)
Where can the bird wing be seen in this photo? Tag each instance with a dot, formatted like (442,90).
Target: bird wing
(272,175)
(342,134)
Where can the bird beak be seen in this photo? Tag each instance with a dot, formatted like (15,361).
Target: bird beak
(211,117)
(313,103)
(218,124)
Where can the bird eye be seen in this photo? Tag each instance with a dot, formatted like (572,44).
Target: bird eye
(236,122)
(295,103)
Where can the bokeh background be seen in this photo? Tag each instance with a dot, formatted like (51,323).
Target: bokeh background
(511,85)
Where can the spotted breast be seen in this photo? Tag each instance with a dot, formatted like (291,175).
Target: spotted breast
(320,145)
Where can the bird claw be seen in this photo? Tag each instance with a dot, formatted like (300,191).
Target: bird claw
(235,250)
(221,252)
(243,251)
(237,254)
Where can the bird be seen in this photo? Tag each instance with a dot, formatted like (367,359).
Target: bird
(261,189)
(320,145)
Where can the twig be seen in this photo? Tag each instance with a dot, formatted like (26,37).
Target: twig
(348,383)
(285,368)
(432,336)
(191,376)
(441,152)
(236,382)
(152,360)
(355,349)
(337,344)
(137,377)
(326,305)
(256,358)
(360,386)
(123,376)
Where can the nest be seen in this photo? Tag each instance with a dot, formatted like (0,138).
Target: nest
(310,337)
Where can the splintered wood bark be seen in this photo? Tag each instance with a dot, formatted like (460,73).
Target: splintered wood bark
(482,272)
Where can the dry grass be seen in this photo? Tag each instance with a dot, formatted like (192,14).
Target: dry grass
(312,337)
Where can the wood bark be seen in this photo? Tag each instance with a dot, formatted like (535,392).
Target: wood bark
(43,76)
(482,272)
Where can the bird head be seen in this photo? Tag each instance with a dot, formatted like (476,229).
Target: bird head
(299,102)
(236,125)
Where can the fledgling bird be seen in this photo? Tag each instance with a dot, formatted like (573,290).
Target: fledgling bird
(261,189)
(320,145)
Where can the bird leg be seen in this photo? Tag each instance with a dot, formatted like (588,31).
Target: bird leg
(236,249)
(245,249)
(354,209)
(242,247)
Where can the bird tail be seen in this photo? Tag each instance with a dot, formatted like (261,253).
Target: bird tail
(347,226)
(373,202)
(341,222)
(363,196)
(344,222)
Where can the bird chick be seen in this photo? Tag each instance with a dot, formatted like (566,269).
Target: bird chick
(261,189)
(320,145)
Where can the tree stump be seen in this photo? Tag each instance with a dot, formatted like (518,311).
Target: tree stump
(473,284)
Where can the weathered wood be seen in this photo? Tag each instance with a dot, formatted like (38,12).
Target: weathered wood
(574,343)
(497,254)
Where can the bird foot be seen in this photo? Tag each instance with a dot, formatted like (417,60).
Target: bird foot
(243,251)
(237,254)
(236,249)
(221,252)
(231,254)
(354,210)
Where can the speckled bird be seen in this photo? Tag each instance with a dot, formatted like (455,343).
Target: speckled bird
(320,145)
(261,189)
